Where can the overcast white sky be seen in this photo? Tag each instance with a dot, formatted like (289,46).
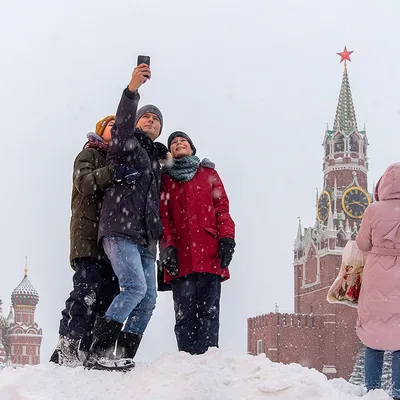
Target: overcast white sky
(253,83)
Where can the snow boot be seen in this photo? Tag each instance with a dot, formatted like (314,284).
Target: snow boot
(101,357)
(68,353)
(55,356)
(127,345)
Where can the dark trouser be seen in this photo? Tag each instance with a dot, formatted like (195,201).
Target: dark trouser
(373,366)
(95,286)
(196,303)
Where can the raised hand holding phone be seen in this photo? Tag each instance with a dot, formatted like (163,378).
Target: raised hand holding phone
(140,75)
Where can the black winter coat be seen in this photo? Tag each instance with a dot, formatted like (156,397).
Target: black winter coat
(132,210)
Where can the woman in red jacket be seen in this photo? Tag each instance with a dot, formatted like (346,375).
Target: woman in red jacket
(197,244)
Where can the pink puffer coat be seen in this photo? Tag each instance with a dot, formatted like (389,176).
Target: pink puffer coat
(378,325)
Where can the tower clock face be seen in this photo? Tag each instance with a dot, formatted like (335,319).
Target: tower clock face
(354,202)
(323,206)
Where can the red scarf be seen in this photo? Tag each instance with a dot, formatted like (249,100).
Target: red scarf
(101,147)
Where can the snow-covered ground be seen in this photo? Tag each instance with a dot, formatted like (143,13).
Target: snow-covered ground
(216,375)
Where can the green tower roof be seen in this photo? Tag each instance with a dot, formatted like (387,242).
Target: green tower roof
(345,118)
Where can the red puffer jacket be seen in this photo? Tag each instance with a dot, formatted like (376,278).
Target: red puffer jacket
(195,215)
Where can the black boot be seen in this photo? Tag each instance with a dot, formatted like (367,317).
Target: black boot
(105,334)
(127,345)
(54,357)
(68,352)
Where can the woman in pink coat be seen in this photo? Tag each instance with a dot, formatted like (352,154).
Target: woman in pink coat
(378,325)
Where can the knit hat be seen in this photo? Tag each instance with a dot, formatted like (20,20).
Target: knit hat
(149,108)
(175,134)
(101,125)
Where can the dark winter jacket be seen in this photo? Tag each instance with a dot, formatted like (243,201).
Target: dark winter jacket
(132,210)
(90,177)
(195,215)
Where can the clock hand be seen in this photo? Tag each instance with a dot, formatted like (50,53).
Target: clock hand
(354,202)
(359,204)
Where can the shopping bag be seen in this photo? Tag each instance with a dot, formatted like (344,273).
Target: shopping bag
(346,287)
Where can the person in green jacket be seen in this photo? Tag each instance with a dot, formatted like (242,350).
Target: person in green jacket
(94,282)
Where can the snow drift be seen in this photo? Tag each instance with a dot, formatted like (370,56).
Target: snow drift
(216,375)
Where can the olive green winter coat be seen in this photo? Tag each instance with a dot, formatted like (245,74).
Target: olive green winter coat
(90,177)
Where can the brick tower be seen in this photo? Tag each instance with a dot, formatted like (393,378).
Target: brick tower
(318,334)
(23,336)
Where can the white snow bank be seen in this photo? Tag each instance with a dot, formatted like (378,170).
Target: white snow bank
(215,375)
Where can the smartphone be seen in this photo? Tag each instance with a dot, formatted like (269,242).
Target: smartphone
(143,60)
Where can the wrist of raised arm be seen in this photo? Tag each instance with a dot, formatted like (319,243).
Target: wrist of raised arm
(131,92)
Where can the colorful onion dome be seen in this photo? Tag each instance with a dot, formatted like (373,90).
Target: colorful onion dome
(25,294)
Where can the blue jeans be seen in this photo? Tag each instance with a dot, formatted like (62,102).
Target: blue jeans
(135,269)
(373,365)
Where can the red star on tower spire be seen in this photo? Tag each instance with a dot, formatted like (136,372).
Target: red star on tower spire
(345,55)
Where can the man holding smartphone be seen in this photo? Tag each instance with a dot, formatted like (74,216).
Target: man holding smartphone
(130,226)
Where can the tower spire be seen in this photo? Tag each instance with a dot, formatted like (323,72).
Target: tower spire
(10,318)
(26,266)
(297,243)
(330,227)
(345,118)
(348,230)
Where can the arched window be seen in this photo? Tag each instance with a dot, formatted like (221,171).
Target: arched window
(365,148)
(341,239)
(339,143)
(354,146)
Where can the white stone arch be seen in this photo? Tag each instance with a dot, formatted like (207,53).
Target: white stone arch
(339,143)
(355,143)
(341,238)
(310,245)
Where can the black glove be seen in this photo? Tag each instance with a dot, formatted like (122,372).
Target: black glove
(161,285)
(125,173)
(161,150)
(226,250)
(169,260)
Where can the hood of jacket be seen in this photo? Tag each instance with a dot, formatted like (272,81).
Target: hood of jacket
(388,187)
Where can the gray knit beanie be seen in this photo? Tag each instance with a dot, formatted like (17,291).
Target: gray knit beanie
(149,108)
(175,134)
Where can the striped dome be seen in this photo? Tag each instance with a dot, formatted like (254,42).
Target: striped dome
(25,294)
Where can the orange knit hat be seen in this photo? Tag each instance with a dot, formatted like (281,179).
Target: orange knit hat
(101,125)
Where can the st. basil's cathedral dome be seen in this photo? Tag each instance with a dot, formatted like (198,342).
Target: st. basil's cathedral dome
(25,294)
